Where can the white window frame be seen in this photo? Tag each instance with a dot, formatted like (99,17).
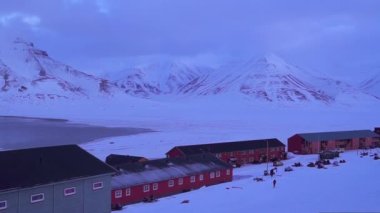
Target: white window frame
(228,172)
(146,188)
(192,179)
(212,175)
(217,174)
(155,186)
(180,181)
(128,192)
(32,200)
(201,177)
(170,183)
(118,193)
(70,193)
(5,203)
(218,155)
(96,187)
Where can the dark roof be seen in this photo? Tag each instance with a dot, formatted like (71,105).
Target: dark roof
(229,146)
(340,135)
(166,169)
(115,160)
(38,166)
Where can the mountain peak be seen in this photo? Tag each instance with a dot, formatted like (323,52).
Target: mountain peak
(271,58)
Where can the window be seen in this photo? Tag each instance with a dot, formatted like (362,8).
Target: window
(37,198)
(70,191)
(155,186)
(217,173)
(97,185)
(192,179)
(218,155)
(118,193)
(251,151)
(146,188)
(180,181)
(243,152)
(251,159)
(212,175)
(3,204)
(201,177)
(171,183)
(228,172)
(128,192)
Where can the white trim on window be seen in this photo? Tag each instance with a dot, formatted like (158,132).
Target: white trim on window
(3,204)
(97,185)
(155,186)
(192,179)
(171,183)
(118,193)
(217,174)
(201,177)
(146,188)
(128,192)
(228,172)
(37,198)
(180,181)
(212,175)
(70,191)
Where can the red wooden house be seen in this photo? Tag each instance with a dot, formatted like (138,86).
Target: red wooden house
(157,178)
(239,152)
(313,143)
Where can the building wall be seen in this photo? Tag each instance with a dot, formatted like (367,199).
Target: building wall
(97,201)
(250,156)
(295,144)
(138,195)
(84,201)
(173,153)
(12,201)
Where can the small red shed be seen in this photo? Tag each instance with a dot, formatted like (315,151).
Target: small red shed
(238,152)
(152,179)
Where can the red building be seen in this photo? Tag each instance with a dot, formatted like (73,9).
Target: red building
(115,160)
(313,143)
(239,152)
(157,178)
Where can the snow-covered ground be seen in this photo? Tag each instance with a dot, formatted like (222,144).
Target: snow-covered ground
(351,187)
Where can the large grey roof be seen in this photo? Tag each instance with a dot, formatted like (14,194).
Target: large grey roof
(340,135)
(153,171)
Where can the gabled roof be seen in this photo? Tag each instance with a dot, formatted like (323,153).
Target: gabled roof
(339,135)
(39,166)
(115,160)
(229,146)
(166,169)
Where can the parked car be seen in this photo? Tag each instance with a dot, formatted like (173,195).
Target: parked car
(278,163)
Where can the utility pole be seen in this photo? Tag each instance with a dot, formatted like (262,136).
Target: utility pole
(267,154)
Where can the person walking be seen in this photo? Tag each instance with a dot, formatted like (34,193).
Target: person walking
(274,183)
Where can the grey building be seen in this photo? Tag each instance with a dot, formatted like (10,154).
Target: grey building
(59,179)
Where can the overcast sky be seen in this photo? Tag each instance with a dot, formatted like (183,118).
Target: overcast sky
(331,36)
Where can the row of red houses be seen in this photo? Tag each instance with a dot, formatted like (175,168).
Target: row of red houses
(190,167)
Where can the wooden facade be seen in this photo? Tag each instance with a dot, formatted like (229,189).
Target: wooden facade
(313,143)
(153,179)
(240,152)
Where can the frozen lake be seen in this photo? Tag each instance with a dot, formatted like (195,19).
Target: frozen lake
(24,132)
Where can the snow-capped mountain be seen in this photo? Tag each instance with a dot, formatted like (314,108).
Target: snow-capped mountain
(372,86)
(271,79)
(28,72)
(162,78)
